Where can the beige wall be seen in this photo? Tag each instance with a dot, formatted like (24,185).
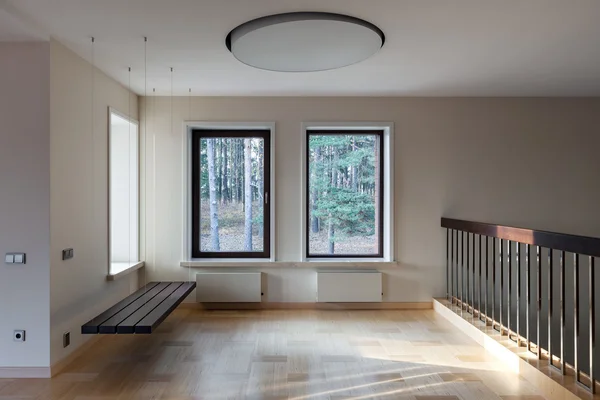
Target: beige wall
(79,195)
(524,162)
(24,203)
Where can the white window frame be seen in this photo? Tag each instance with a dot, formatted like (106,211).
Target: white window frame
(388,187)
(118,268)
(187,184)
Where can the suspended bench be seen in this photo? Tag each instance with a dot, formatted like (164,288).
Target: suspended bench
(141,312)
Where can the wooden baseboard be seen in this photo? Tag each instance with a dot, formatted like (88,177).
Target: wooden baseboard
(62,364)
(25,372)
(308,306)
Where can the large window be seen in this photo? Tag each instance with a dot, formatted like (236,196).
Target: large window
(230,193)
(344,194)
(124,193)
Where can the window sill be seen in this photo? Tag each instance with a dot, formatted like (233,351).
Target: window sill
(290,264)
(118,270)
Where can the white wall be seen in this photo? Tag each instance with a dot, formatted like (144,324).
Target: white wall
(523,162)
(79,195)
(24,202)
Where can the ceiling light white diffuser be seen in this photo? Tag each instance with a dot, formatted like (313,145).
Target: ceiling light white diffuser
(304,41)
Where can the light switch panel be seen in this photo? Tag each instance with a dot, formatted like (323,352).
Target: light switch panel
(14,258)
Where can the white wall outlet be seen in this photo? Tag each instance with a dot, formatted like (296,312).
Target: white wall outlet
(19,336)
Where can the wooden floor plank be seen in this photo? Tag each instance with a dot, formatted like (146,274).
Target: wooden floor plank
(230,355)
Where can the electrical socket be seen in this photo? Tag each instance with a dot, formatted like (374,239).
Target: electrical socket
(66,339)
(19,336)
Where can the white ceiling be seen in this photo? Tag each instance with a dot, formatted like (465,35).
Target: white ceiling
(433,47)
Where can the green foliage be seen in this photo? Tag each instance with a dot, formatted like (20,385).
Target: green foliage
(352,214)
(342,183)
(258,218)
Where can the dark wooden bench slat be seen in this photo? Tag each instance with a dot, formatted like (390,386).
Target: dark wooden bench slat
(110,325)
(91,327)
(127,325)
(158,315)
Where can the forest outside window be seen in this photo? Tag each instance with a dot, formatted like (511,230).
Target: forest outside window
(345,208)
(230,193)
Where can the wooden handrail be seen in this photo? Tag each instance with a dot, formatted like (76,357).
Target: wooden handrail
(583,245)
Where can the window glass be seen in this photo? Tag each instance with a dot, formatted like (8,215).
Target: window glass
(231,189)
(345,207)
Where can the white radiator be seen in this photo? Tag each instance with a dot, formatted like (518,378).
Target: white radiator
(349,287)
(228,287)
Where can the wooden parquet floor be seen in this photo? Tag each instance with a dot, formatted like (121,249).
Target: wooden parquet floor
(284,354)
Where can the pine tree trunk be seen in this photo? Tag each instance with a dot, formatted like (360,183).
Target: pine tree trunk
(225,193)
(330,236)
(315,192)
(247,195)
(240,172)
(261,187)
(214,217)
(354,181)
(234,173)
(218,163)
(334,183)
(377,193)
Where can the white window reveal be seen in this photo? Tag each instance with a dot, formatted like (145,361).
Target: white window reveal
(124,192)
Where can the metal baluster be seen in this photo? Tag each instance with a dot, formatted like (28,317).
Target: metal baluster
(501,284)
(493,282)
(479,280)
(456,265)
(592,317)
(462,271)
(473,281)
(459,285)
(550,256)
(539,299)
(562,312)
(509,252)
(528,294)
(447,265)
(451,266)
(467,294)
(518,259)
(487,278)
(576,316)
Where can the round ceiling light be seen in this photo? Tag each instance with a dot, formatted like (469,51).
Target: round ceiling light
(304,41)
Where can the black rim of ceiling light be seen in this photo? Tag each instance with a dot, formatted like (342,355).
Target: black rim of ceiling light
(303,16)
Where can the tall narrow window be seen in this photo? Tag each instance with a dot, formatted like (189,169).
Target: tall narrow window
(124,193)
(230,193)
(344,194)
